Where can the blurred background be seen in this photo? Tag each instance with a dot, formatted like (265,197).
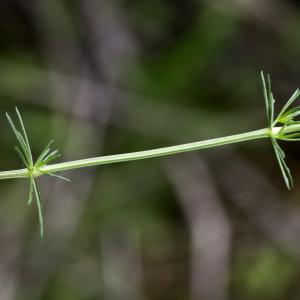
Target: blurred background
(106,77)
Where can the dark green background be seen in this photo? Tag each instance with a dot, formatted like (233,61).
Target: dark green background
(107,77)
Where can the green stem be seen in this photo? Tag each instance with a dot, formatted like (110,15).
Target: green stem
(22,173)
(257,134)
(262,133)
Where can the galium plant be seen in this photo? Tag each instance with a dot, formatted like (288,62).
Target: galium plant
(284,127)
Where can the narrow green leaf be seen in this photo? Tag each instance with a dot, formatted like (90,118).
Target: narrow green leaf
(292,122)
(266,97)
(16,132)
(288,173)
(11,123)
(39,207)
(22,157)
(283,166)
(271,100)
(55,175)
(55,154)
(30,197)
(26,151)
(44,153)
(289,103)
(24,133)
(291,135)
(24,147)
(290,113)
(286,180)
(289,140)
(282,154)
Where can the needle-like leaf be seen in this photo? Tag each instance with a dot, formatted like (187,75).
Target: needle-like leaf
(289,115)
(24,134)
(22,157)
(44,153)
(266,97)
(281,152)
(290,136)
(39,207)
(26,151)
(30,197)
(60,177)
(53,155)
(55,175)
(289,140)
(282,164)
(289,103)
(270,99)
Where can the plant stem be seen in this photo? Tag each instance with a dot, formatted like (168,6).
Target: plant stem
(262,133)
(23,173)
(102,160)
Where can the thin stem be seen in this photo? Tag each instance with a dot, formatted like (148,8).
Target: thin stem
(262,133)
(23,173)
(102,160)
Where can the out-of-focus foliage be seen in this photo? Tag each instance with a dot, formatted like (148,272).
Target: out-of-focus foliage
(105,77)
(266,273)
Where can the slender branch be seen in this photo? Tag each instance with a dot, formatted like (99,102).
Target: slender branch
(23,173)
(117,158)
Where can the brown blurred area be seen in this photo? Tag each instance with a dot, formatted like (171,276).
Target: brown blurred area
(106,77)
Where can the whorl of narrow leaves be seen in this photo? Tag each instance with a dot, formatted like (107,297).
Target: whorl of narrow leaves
(286,119)
(25,154)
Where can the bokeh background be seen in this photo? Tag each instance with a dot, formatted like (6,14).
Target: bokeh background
(106,77)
